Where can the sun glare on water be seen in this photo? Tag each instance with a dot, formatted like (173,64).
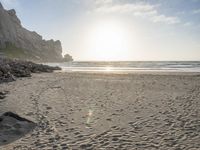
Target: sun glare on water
(109,40)
(108,69)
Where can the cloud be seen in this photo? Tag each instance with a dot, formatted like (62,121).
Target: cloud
(187,24)
(100,2)
(197,11)
(125,8)
(143,10)
(165,19)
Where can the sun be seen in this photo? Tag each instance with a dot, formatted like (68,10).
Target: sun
(109,40)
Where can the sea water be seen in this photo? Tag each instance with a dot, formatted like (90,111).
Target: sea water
(129,66)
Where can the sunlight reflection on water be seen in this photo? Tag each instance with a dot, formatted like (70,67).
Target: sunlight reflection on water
(109,67)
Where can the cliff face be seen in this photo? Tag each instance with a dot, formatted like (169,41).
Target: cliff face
(18,42)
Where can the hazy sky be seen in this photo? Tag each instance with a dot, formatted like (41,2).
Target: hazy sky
(116,29)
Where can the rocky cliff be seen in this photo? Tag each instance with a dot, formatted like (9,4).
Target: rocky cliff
(18,42)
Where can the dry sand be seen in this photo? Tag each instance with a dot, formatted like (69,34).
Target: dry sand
(107,111)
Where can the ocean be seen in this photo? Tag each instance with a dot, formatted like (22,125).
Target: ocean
(129,66)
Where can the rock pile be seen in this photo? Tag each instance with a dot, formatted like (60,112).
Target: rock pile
(12,69)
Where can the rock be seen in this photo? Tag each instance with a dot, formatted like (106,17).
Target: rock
(14,127)
(67,58)
(12,69)
(17,117)
(1,6)
(12,12)
(18,42)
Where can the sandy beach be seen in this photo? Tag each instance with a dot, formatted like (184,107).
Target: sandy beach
(106,111)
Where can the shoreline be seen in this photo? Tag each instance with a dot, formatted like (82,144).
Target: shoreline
(130,66)
(109,111)
(131,72)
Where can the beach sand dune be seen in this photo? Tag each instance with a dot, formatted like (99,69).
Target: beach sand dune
(107,111)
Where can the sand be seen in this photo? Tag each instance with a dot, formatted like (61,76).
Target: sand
(107,111)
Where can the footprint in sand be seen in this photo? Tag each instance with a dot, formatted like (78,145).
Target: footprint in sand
(3,94)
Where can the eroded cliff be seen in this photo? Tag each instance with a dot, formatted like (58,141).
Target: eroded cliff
(18,42)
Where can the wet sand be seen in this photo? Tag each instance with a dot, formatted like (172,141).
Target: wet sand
(107,111)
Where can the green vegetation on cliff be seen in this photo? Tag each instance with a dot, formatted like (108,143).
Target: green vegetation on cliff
(13,52)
